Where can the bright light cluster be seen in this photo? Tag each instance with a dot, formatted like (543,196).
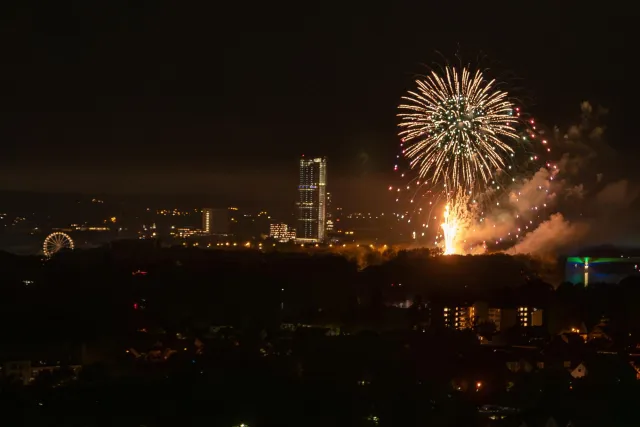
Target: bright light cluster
(55,242)
(457,129)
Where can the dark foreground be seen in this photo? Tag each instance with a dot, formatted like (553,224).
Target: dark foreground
(325,381)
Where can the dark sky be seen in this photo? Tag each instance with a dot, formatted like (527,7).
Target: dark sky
(176,97)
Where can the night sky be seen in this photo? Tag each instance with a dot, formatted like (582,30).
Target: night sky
(171,97)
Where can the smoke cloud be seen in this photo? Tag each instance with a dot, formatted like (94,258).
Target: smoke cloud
(561,206)
(550,237)
(617,194)
(513,215)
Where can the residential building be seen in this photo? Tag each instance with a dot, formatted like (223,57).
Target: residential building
(448,317)
(459,317)
(530,316)
(464,317)
(281,232)
(468,316)
(495,315)
(485,313)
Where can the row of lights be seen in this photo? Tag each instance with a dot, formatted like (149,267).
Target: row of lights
(248,245)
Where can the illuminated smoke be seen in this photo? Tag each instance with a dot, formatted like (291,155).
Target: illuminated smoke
(550,237)
(449,229)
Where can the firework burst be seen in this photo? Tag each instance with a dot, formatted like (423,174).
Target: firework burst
(471,153)
(457,129)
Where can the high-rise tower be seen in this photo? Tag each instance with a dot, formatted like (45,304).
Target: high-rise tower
(312,201)
(329,215)
(215,221)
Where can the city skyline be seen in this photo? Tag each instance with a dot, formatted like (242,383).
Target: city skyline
(267,214)
(149,146)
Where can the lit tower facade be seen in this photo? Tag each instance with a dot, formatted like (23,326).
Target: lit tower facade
(329,214)
(312,201)
(215,221)
(207,215)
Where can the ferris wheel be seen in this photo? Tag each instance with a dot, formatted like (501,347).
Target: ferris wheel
(55,242)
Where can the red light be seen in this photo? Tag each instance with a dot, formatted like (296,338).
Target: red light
(135,305)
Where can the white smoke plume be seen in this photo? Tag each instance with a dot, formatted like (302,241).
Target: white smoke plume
(560,206)
(550,237)
(513,214)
